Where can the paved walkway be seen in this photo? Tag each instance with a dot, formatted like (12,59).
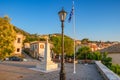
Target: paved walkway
(20,71)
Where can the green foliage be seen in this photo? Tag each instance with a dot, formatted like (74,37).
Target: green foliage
(56,40)
(107,61)
(104,55)
(18,30)
(33,37)
(29,37)
(97,55)
(7,37)
(68,45)
(115,68)
(84,52)
(85,41)
(90,56)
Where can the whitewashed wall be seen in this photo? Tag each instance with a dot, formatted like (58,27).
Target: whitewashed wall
(115,58)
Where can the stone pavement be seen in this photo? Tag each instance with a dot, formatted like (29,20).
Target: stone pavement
(20,71)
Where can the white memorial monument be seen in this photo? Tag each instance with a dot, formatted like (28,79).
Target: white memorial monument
(46,64)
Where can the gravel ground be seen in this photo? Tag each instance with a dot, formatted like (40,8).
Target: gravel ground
(20,71)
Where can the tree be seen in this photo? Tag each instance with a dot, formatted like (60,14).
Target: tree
(97,55)
(83,52)
(107,61)
(56,40)
(85,41)
(68,45)
(7,37)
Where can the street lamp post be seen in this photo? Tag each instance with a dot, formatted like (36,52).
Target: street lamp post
(62,15)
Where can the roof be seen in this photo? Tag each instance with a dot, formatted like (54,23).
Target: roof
(112,49)
(34,42)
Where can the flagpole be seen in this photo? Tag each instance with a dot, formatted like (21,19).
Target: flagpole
(74,37)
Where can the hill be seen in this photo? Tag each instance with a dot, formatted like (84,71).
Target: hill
(36,37)
(18,30)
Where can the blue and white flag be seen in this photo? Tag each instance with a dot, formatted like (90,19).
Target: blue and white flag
(71,15)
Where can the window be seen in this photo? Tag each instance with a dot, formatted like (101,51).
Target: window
(18,49)
(35,46)
(18,40)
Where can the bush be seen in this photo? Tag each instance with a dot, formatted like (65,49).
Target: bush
(115,69)
(107,61)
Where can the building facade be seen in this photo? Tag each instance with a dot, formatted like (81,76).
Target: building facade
(18,44)
(37,49)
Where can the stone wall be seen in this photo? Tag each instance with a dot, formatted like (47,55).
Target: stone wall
(105,72)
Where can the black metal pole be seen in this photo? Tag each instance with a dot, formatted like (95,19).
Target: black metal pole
(62,71)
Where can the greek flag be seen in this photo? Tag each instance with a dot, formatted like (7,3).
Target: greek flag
(71,14)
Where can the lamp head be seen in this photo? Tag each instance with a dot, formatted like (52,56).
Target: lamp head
(62,15)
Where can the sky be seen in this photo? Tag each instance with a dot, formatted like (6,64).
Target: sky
(97,20)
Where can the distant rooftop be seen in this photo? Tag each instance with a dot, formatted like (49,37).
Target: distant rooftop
(112,49)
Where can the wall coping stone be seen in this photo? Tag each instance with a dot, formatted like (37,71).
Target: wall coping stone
(107,73)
